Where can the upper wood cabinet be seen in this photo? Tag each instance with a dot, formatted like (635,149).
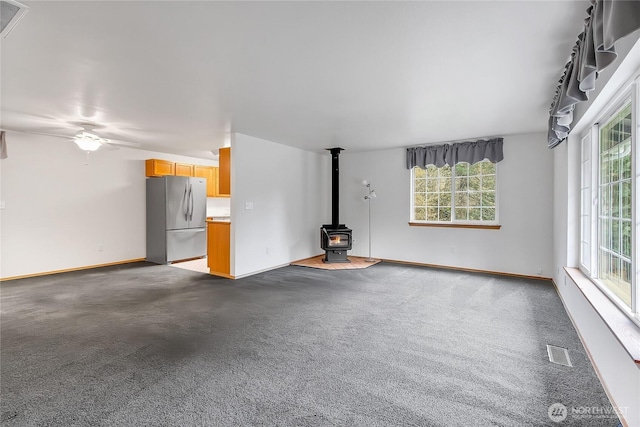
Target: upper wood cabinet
(224,180)
(184,169)
(211,175)
(156,167)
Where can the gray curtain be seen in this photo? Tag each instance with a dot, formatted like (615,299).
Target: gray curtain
(3,145)
(450,154)
(607,22)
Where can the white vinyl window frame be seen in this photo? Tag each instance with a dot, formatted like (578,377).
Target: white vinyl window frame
(590,197)
(454,221)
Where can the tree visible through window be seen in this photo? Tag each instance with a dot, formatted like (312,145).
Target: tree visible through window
(465,193)
(615,194)
(609,198)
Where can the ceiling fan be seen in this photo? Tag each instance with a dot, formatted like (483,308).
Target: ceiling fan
(87,139)
(86,134)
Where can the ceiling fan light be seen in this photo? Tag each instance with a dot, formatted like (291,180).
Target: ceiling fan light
(87,143)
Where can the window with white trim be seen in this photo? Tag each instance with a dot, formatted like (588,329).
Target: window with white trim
(609,200)
(463,194)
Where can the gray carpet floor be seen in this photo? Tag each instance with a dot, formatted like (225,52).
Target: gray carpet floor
(390,345)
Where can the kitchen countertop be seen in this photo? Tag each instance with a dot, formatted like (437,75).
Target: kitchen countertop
(219,219)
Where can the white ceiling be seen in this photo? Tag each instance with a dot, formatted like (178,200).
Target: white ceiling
(179,76)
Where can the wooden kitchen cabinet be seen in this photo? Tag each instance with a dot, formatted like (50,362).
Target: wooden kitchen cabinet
(157,167)
(217,174)
(211,175)
(184,169)
(224,180)
(219,248)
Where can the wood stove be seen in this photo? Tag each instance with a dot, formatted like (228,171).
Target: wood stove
(335,242)
(335,238)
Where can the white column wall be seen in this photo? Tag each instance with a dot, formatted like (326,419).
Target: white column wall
(288,189)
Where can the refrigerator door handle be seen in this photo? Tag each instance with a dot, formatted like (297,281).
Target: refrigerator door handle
(190,202)
(185,204)
(191,189)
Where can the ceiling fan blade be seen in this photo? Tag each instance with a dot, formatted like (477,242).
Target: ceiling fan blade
(54,130)
(110,146)
(87,125)
(54,135)
(72,129)
(123,143)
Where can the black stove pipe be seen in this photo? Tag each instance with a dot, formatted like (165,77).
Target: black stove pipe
(335,187)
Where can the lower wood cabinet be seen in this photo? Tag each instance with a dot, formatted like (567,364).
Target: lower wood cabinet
(219,247)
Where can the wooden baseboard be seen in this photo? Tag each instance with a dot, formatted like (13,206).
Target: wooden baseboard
(469,270)
(67,270)
(448,267)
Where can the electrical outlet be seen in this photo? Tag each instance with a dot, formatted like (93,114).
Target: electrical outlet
(248,205)
(100,247)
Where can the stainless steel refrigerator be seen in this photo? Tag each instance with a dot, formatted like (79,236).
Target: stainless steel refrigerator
(176,216)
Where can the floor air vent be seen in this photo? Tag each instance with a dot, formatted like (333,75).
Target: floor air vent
(558,355)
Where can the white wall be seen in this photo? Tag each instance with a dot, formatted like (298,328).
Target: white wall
(218,206)
(620,375)
(289,191)
(522,246)
(62,204)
